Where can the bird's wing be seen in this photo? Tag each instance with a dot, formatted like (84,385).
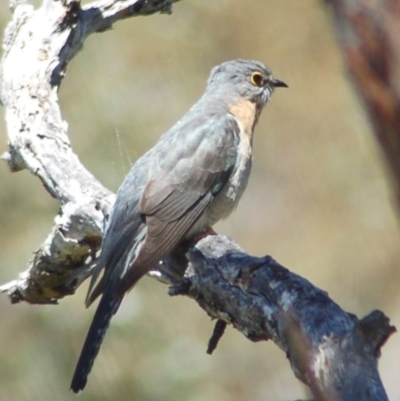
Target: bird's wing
(125,229)
(189,170)
(163,196)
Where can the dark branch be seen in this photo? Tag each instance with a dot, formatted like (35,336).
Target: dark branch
(330,350)
(218,332)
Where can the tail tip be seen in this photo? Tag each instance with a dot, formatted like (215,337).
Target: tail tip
(78,385)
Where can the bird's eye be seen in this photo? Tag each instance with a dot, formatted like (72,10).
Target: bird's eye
(257,78)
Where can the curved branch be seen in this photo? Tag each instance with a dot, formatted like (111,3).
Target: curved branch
(256,295)
(37,48)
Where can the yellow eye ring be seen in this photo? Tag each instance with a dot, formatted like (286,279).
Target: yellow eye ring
(257,78)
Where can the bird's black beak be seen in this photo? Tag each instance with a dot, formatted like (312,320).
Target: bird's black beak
(276,83)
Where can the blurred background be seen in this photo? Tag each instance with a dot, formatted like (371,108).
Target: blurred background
(319,201)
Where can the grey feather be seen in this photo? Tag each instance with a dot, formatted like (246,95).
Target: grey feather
(193,177)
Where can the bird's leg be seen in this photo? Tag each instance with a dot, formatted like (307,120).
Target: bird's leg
(208,230)
(175,264)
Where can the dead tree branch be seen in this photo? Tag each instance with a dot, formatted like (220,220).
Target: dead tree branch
(37,48)
(331,351)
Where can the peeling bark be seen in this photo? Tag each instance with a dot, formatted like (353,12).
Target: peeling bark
(37,48)
(332,351)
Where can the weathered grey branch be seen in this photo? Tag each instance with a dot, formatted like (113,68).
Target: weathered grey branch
(37,48)
(331,351)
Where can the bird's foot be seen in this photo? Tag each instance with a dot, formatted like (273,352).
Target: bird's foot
(208,230)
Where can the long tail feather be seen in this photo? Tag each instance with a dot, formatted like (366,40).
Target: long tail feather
(108,306)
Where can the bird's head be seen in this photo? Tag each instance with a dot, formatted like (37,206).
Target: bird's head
(247,79)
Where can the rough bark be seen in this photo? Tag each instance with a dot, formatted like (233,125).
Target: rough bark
(330,350)
(37,48)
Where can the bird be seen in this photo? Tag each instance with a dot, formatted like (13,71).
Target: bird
(190,179)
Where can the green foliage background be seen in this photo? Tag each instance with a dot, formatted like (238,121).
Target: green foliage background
(319,202)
